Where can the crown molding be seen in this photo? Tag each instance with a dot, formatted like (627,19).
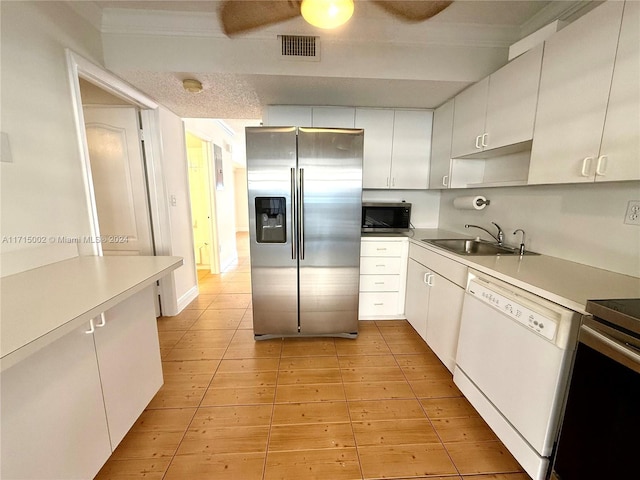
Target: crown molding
(567,11)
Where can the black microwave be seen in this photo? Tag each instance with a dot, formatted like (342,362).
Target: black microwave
(386,217)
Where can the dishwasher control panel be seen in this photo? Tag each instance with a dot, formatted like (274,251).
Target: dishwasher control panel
(536,321)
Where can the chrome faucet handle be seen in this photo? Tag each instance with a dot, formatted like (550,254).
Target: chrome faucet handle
(500,234)
(523,240)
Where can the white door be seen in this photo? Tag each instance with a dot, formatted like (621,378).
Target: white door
(411,150)
(378,138)
(417,298)
(119,180)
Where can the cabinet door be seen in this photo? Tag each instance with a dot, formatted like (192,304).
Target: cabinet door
(513,96)
(53,422)
(333,117)
(574,90)
(620,150)
(469,119)
(129,360)
(443,325)
(417,297)
(441,146)
(288,116)
(378,135)
(411,149)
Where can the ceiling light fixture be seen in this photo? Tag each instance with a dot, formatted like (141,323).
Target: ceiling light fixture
(192,86)
(326,13)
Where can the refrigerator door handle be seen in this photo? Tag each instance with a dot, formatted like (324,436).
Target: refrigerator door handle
(301,213)
(294,214)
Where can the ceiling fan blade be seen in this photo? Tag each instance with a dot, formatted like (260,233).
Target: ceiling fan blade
(413,11)
(237,16)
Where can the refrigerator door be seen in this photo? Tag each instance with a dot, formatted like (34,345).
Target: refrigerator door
(330,207)
(271,175)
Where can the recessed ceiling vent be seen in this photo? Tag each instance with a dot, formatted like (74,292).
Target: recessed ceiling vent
(300,47)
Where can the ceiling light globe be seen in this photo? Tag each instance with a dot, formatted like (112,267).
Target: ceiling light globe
(326,13)
(191,85)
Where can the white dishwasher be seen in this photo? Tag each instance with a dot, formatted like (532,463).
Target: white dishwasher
(512,364)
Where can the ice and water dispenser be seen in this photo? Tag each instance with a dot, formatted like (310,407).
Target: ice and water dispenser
(271,220)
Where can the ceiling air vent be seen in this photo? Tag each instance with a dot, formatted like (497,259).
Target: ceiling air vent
(300,47)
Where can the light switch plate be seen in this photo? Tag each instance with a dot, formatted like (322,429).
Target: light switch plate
(632,216)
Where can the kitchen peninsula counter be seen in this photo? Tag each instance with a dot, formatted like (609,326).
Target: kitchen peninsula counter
(41,305)
(566,283)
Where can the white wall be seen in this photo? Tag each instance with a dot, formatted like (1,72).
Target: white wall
(581,223)
(42,191)
(174,166)
(241,199)
(211,130)
(425,204)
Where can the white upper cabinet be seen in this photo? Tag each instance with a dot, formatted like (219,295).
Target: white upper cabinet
(439,175)
(469,119)
(498,111)
(378,138)
(574,90)
(411,149)
(513,96)
(333,117)
(620,150)
(397,147)
(288,116)
(304,116)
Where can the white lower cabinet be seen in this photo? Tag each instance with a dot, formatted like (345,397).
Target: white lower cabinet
(66,407)
(433,305)
(417,298)
(383,267)
(128,352)
(53,420)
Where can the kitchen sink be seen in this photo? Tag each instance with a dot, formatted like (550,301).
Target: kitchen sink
(474,247)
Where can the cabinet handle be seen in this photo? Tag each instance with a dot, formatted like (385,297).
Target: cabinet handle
(445,180)
(393,181)
(430,280)
(378,283)
(601,166)
(381,249)
(387,181)
(92,328)
(484,139)
(378,304)
(586,164)
(103,321)
(478,142)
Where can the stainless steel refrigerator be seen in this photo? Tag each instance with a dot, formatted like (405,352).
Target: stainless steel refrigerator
(305,197)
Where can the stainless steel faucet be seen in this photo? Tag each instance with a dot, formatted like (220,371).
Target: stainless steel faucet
(498,238)
(523,240)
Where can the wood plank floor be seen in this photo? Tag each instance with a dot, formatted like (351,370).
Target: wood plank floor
(380,406)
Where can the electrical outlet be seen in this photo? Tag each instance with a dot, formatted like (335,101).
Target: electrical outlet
(632,217)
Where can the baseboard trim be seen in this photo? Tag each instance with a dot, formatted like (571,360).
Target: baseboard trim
(187,298)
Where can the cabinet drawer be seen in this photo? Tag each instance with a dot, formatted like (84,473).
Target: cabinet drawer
(380,265)
(449,269)
(379,283)
(381,249)
(378,304)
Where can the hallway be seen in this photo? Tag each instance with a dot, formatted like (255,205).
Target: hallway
(381,406)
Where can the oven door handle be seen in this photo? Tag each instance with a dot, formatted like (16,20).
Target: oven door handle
(611,347)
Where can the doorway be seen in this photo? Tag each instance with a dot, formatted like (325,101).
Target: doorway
(203,204)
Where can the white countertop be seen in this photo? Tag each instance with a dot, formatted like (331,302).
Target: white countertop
(566,283)
(41,305)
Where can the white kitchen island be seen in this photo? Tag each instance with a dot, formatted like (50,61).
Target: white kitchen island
(80,361)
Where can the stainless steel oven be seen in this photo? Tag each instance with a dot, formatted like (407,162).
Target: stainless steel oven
(386,217)
(601,423)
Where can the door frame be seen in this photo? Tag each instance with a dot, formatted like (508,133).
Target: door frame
(79,67)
